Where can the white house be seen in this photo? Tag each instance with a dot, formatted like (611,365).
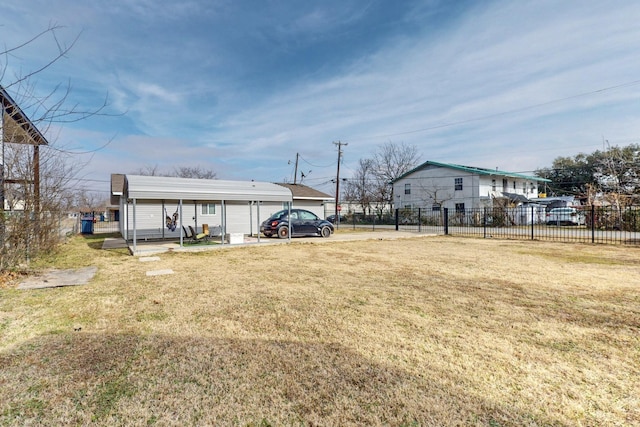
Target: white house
(434,185)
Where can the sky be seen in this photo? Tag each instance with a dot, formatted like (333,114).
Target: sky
(243,88)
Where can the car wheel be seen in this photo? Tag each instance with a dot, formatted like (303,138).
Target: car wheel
(283,232)
(325,231)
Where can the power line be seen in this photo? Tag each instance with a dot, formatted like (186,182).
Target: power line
(503,113)
(316,166)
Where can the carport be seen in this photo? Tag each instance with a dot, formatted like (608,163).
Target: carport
(161,190)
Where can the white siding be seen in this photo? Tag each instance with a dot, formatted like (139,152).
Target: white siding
(437,184)
(313,206)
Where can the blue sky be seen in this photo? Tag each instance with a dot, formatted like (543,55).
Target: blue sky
(240,87)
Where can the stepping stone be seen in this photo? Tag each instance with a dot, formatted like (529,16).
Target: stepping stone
(149,258)
(159,272)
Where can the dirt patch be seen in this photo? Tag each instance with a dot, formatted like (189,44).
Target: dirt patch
(9,279)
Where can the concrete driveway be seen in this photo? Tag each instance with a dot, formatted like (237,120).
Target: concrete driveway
(155,247)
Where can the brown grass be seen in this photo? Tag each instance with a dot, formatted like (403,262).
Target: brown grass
(425,331)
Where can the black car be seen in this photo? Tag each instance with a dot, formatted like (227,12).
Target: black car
(304,223)
(332,218)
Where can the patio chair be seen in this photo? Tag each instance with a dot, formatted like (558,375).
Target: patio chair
(197,237)
(187,234)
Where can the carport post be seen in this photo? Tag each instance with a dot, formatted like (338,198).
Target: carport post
(195,214)
(181,229)
(258,219)
(290,222)
(164,220)
(251,218)
(223,220)
(134,226)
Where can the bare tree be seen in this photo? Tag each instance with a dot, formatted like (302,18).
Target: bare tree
(147,170)
(358,188)
(178,171)
(194,172)
(38,175)
(434,195)
(390,161)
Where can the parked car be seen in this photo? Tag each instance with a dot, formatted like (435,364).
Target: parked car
(332,218)
(303,222)
(565,216)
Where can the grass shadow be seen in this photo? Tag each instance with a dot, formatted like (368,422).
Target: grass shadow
(83,378)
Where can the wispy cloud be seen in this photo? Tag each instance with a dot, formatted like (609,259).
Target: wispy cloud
(244,89)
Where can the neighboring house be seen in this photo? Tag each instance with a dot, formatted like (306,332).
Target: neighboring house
(117,188)
(308,198)
(434,185)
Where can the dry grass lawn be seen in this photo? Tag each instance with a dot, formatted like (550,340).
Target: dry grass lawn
(411,332)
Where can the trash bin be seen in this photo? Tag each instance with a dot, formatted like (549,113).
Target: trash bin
(87,225)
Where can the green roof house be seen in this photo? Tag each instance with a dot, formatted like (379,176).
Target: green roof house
(434,185)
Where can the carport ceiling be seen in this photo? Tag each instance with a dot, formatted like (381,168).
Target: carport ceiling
(171,188)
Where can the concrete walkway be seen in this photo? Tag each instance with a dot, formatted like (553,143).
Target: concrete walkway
(59,278)
(155,247)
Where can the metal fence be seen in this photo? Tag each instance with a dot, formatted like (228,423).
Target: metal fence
(96,223)
(587,224)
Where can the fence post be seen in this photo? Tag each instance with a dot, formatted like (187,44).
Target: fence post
(446,221)
(419,220)
(484,222)
(533,218)
(397,220)
(593,223)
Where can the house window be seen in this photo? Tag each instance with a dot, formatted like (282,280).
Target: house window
(493,185)
(505,185)
(514,184)
(208,209)
(524,187)
(459,207)
(458,184)
(407,189)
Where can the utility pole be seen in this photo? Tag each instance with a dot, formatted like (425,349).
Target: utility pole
(339,145)
(295,174)
(2,130)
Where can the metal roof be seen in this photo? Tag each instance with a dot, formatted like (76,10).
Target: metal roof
(171,188)
(473,170)
(303,192)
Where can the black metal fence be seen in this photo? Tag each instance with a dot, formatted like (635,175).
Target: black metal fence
(587,224)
